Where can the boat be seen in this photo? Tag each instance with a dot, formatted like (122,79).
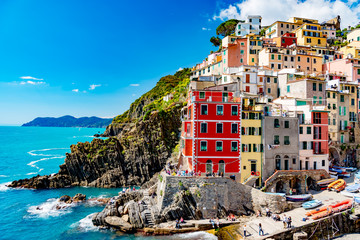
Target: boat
(344,174)
(322,214)
(351,169)
(337,170)
(347,194)
(326,181)
(337,185)
(341,206)
(275,193)
(298,198)
(311,204)
(353,188)
(357,199)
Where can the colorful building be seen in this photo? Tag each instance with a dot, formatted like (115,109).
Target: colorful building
(310,34)
(252,25)
(211,133)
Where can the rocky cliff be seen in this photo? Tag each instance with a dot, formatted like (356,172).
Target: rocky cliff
(139,144)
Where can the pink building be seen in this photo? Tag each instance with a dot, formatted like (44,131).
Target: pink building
(347,67)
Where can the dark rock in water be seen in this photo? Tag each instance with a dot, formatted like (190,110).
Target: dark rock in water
(79,197)
(64,198)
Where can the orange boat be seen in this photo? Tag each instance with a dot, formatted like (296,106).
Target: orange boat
(338,185)
(341,206)
(312,212)
(322,214)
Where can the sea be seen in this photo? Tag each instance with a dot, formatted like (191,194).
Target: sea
(31,214)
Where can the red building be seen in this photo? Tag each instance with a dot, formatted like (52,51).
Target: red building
(288,39)
(319,119)
(210,136)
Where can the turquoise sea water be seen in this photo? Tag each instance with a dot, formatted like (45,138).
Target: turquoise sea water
(28,151)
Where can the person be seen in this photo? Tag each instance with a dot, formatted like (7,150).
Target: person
(267,212)
(182,220)
(244,230)
(217,222)
(212,222)
(290,192)
(177,224)
(285,221)
(199,174)
(134,189)
(258,213)
(261,232)
(289,222)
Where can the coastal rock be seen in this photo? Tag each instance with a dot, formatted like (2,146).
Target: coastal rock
(79,197)
(119,223)
(65,198)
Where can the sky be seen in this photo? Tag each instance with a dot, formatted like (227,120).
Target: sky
(93,57)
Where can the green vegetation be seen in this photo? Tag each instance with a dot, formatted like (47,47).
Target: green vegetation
(216,41)
(153,100)
(161,192)
(224,29)
(160,177)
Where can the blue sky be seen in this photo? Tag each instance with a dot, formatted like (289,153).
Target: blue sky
(93,58)
(51,52)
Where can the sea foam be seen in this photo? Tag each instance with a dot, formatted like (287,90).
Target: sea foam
(85,224)
(49,209)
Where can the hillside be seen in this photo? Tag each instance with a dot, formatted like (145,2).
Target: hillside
(140,142)
(69,121)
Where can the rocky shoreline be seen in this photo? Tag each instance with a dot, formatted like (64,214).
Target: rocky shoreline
(153,210)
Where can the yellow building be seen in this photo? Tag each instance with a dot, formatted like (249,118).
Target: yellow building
(354,51)
(251,140)
(310,34)
(254,45)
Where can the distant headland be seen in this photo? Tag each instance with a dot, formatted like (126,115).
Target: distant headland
(69,121)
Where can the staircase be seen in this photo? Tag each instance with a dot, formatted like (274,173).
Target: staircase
(251,180)
(148,217)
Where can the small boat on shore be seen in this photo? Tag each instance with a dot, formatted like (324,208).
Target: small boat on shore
(325,181)
(357,199)
(351,169)
(337,185)
(321,214)
(337,170)
(344,174)
(341,206)
(311,204)
(298,198)
(327,210)
(353,188)
(275,193)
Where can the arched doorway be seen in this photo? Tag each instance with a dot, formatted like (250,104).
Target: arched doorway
(209,167)
(277,162)
(311,183)
(279,186)
(221,167)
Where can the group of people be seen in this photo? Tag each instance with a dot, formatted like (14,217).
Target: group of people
(178,222)
(126,190)
(287,221)
(213,222)
(261,231)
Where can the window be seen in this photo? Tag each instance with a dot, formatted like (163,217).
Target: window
(334,121)
(234,146)
(320,87)
(202,95)
(286,124)
(203,146)
(279,66)
(294,160)
(272,56)
(308,130)
(203,128)
(272,65)
(333,95)
(299,59)
(308,60)
(352,102)
(234,128)
(328,94)
(276,140)
(323,163)
(219,110)
(219,146)
(286,140)
(204,109)
(269,90)
(301,130)
(308,40)
(314,99)
(279,57)
(276,123)
(241,51)
(320,100)
(275,80)
(314,60)
(219,128)
(252,60)
(314,86)
(342,98)
(234,110)
(288,88)
(246,147)
(268,80)
(304,145)
(334,106)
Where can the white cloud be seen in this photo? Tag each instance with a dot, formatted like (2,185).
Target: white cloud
(93,86)
(205,29)
(274,10)
(31,78)
(180,69)
(134,85)
(75,90)
(31,83)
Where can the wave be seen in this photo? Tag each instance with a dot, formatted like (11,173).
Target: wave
(4,176)
(85,224)
(32,164)
(34,152)
(51,208)
(196,235)
(3,187)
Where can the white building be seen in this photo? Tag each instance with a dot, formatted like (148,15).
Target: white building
(252,25)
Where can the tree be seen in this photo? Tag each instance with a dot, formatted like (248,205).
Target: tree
(216,41)
(227,28)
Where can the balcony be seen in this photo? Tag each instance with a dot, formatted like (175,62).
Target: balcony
(318,152)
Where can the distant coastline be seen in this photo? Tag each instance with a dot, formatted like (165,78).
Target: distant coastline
(69,121)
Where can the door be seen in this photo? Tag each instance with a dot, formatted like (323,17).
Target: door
(247,78)
(286,164)
(221,166)
(247,89)
(278,162)
(306,165)
(300,165)
(253,167)
(209,166)
(315,165)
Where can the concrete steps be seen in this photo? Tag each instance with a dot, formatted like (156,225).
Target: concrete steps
(148,216)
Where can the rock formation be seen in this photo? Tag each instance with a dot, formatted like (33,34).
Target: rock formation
(139,143)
